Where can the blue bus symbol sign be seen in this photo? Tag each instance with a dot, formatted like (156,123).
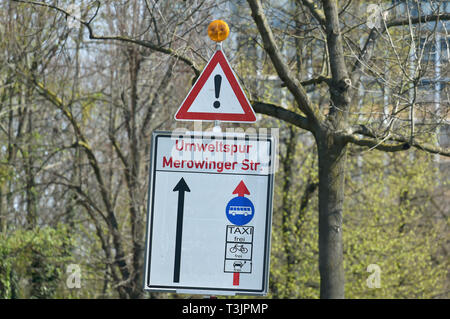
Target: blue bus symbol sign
(240,210)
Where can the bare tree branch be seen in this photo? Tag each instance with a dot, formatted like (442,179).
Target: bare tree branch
(83,144)
(374,34)
(314,81)
(382,146)
(315,11)
(282,114)
(443,16)
(281,68)
(392,144)
(93,36)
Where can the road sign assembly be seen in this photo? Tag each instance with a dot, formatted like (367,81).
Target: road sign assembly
(216,96)
(209,216)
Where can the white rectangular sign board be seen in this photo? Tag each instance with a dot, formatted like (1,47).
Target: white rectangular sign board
(210,213)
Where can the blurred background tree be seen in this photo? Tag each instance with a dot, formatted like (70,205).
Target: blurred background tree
(84,83)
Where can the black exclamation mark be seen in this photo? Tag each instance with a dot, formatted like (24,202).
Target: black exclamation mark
(217,82)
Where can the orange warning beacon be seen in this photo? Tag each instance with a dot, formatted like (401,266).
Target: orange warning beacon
(218,30)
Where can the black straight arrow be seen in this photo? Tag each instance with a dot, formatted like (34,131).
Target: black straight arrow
(181,187)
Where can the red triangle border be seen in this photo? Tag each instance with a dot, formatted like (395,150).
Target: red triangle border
(249,114)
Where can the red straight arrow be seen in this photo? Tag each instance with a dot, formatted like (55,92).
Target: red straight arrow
(241,190)
(235,279)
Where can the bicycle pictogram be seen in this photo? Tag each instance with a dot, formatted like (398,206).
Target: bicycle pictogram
(237,248)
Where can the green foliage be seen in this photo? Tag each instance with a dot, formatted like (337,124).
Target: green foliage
(294,257)
(5,173)
(390,220)
(33,262)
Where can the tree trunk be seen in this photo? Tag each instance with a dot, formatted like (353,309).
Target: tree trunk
(132,177)
(30,190)
(332,160)
(286,208)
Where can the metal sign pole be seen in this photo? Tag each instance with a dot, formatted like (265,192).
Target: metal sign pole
(217,128)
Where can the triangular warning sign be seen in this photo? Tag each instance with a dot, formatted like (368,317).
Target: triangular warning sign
(216,95)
